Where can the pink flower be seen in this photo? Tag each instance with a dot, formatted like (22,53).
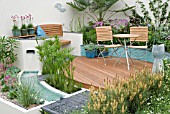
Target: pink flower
(29,18)
(23,19)
(100,23)
(6,78)
(15,19)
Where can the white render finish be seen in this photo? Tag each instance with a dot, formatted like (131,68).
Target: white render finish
(30,61)
(7,107)
(27,61)
(44,12)
(76,40)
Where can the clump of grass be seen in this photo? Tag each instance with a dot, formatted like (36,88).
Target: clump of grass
(27,95)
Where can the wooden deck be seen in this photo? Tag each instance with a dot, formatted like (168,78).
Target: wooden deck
(90,72)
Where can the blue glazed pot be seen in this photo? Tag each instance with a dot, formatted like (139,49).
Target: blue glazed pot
(16,32)
(90,54)
(31,31)
(23,32)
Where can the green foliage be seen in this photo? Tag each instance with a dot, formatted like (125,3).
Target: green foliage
(167,45)
(125,96)
(77,23)
(12,71)
(159,101)
(7,58)
(27,95)
(15,27)
(30,25)
(90,47)
(43,112)
(12,94)
(5,88)
(97,7)
(7,47)
(57,63)
(9,81)
(23,26)
(159,10)
(118,26)
(159,24)
(89,35)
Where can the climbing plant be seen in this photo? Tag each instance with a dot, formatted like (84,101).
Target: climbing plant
(158,9)
(156,17)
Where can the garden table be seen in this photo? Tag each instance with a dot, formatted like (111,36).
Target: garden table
(125,36)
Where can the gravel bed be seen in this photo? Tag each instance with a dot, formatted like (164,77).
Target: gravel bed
(67,105)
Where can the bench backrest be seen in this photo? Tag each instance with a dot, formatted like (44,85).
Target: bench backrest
(52,29)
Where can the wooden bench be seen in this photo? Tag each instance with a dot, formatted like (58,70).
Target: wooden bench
(50,30)
(54,29)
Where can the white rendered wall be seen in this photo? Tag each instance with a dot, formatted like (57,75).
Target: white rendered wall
(76,40)
(43,11)
(28,61)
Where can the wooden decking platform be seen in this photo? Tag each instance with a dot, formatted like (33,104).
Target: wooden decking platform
(90,72)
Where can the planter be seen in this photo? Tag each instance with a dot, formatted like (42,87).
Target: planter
(76,40)
(7,107)
(31,31)
(66,95)
(23,32)
(46,85)
(90,54)
(16,32)
(158,52)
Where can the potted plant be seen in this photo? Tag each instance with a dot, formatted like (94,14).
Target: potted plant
(30,26)
(23,27)
(90,50)
(15,28)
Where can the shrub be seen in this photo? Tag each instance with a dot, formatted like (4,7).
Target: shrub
(125,96)
(57,63)
(159,101)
